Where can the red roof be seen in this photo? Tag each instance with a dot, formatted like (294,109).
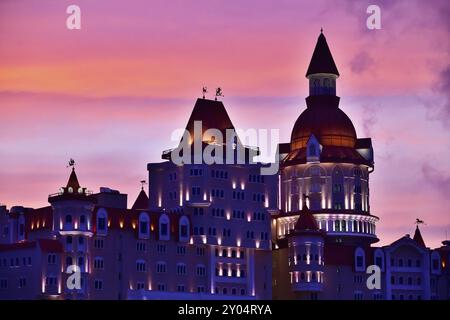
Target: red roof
(49,245)
(73,181)
(328,154)
(46,245)
(141,201)
(306,221)
(127,219)
(17,245)
(338,254)
(213,116)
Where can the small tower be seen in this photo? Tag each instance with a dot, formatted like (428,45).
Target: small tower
(322,71)
(306,249)
(72,225)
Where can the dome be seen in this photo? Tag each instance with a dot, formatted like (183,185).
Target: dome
(329,124)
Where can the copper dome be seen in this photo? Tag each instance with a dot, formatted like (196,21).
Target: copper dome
(329,124)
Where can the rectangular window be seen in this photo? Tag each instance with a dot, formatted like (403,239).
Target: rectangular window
(161,287)
(98,284)
(201,289)
(140,286)
(98,243)
(51,259)
(160,267)
(140,246)
(181,250)
(98,263)
(140,266)
(161,248)
(201,271)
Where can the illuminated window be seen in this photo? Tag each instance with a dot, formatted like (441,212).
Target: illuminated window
(140,266)
(102,218)
(164,227)
(144,224)
(184,229)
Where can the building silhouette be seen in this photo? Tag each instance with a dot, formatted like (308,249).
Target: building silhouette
(223,230)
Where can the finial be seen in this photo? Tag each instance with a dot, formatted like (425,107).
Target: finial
(71,164)
(204,90)
(219,93)
(143,182)
(418,221)
(321,30)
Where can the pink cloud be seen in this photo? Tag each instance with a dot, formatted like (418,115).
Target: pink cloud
(111,94)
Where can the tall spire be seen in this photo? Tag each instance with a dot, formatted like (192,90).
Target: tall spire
(322,60)
(418,237)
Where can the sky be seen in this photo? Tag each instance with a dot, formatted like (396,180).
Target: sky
(110,95)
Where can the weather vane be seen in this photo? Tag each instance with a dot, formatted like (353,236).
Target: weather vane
(143,182)
(205,91)
(418,221)
(71,163)
(219,93)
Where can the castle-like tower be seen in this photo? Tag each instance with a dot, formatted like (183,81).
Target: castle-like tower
(73,209)
(326,161)
(324,168)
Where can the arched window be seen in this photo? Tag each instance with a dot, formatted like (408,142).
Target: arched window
(82,220)
(102,218)
(68,219)
(183,232)
(80,262)
(435,262)
(164,227)
(69,261)
(144,222)
(69,240)
(337,180)
(379,258)
(360,260)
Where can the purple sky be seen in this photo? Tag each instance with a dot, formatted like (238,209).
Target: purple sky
(110,95)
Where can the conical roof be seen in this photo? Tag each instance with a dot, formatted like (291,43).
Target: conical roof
(73,181)
(141,201)
(418,237)
(322,61)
